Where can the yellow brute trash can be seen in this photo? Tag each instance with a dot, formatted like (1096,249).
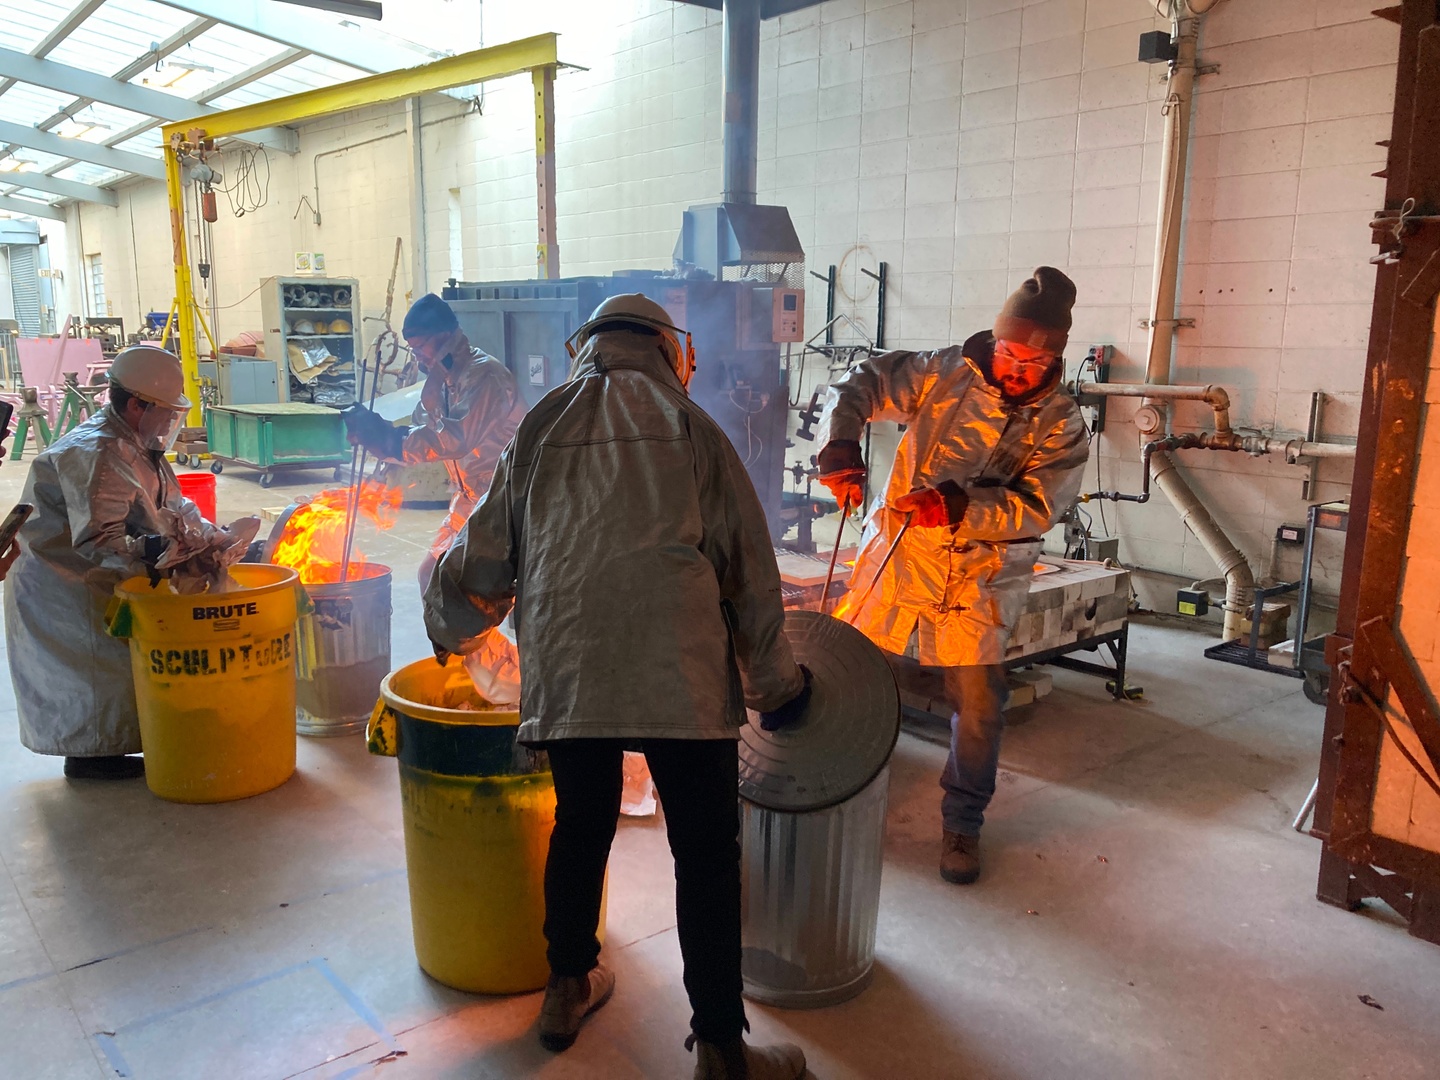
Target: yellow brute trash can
(478,812)
(214,683)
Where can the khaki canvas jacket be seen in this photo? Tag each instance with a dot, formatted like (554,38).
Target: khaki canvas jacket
(622,526)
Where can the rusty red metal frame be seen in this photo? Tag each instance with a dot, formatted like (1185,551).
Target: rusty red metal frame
(1364,650)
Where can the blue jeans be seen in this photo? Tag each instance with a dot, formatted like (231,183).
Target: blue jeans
(979,693)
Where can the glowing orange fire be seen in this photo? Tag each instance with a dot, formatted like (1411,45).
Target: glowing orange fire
(314,539)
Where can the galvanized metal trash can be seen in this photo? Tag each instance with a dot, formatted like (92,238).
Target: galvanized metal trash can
(812,823)
(344,653)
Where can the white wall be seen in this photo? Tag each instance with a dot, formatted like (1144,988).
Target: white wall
(962,143)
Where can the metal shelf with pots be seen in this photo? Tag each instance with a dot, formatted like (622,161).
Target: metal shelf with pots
(312,326)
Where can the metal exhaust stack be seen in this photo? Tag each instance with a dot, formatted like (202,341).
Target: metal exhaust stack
(740,59)
(757,243)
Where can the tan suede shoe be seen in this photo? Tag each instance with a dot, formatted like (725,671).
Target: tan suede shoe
(569,999)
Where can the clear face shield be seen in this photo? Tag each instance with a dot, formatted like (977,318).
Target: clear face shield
(159,427)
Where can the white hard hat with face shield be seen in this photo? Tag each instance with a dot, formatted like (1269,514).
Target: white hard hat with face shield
(640,311)
(156,378)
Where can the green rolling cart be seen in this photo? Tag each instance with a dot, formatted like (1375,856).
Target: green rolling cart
(283,435)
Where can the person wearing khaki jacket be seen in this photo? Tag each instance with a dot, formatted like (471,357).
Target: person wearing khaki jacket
(991,458)
(624,531)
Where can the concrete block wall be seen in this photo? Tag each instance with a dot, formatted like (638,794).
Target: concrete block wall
(962,142)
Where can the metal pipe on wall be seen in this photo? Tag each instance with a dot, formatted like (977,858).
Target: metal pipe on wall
(1175,153)
(1217,397)
(1239,578)
(1296,449)
(740,61)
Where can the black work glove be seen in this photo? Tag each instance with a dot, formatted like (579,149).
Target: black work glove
(151,547)
(442,654)
(364,427)
(792,710)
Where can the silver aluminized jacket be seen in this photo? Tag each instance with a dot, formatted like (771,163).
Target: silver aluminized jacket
(960,588)
(624,528)
(95,492)
(465,420)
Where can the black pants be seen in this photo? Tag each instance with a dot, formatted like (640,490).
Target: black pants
(697,781)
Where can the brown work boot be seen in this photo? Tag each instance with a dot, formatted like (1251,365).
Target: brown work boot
(569,999)
(959,858)
(734,1060)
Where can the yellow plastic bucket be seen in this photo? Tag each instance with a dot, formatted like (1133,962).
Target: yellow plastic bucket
(214,683)
(478,811)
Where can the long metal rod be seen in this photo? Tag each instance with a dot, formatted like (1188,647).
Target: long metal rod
(834,554)
(850,618)
(357,474)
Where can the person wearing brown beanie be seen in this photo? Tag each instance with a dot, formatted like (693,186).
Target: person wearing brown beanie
(991,458)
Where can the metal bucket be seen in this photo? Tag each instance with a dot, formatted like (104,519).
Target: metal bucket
(344,653)
(810,897)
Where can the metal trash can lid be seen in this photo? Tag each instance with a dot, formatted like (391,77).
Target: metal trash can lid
(846,734)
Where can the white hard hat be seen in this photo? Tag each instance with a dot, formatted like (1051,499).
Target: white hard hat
(639,310)
(303,326)
(151,374)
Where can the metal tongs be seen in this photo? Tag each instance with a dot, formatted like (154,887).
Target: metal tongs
(386,349)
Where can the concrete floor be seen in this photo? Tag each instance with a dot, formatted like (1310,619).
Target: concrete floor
(1146,912)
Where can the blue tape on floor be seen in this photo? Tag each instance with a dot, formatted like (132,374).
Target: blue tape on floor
(208,998)
(354,1001)
(106,1040)
(107,1045)
(12,984)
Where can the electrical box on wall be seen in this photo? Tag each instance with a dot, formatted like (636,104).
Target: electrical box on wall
(1290,534)
(771,314)
(788,314)
(1157,47)
(1094,368)
(1192,601)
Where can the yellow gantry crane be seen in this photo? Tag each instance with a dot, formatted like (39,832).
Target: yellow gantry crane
(188,139)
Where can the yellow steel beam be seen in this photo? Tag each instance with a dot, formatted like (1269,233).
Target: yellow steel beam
(535,54)
(547,249)
(481,65)
(185,291)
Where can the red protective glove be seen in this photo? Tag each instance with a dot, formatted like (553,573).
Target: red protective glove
(933,508)
(842,470)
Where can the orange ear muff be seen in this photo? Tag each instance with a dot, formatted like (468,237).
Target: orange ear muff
(688,361)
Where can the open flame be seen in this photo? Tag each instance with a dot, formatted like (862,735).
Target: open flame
(313,543)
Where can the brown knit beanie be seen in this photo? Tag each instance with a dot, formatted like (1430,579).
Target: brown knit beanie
(1038,313)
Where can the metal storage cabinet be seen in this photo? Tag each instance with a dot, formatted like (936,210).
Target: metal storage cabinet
(266,437)
(247,380)
(280,313)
